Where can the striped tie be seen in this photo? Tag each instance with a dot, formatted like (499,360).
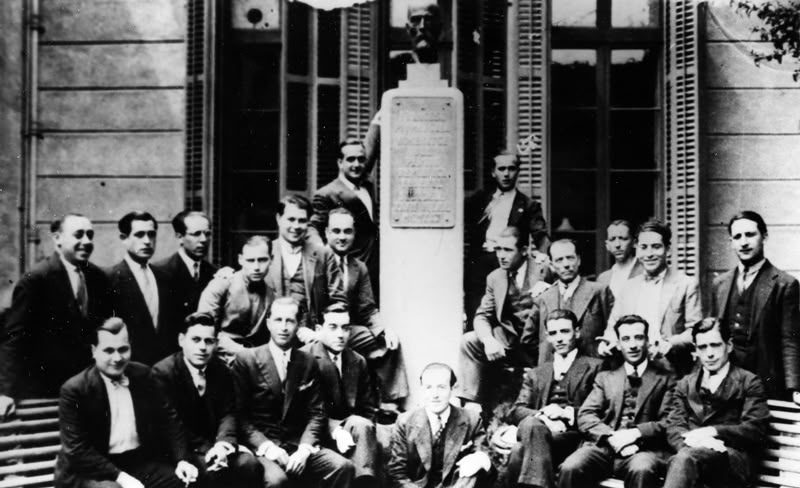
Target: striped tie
(439,429)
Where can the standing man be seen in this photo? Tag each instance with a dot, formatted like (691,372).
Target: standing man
(487,213)
(199,386)
(354,192)
(54,311)
(543,431)
(301,269)
(139,292)
(240,301)
(116,427)
(501,337)
(280,406)
(351,400)
(718,420)
(439,445)
(187,271)
(761,305)
(619,243)
(571,292)
(624,418)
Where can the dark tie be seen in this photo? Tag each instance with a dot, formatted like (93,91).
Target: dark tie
(635,380)
(81,296)
(196,271)
(513,290)
(439,430)
(201,382)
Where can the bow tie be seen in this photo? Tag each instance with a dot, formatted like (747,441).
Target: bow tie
(122,382)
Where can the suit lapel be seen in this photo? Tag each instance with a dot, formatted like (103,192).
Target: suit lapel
(455,434)
(293,373)
(724,291)
(547,383)
(617,384)
(573,376)
(349,377)
(765,281)
(581,298)
(275,271)
(694,395)
(649,381)
(98,389)
(64,285)
(348,198)
(667,291)
(500,293)
(424,438)
(269,370)
(131,289)
(517,208)
(309,257)
(328,371)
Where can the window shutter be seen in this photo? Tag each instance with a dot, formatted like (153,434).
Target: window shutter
(360,55)
(682,139)
(531,96)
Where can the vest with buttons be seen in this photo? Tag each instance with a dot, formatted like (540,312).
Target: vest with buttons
(739,314)
(294,286)
(436,474)
(629,397)
(558,393)
(516,304)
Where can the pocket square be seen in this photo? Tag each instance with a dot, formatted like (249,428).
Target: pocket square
(305,386)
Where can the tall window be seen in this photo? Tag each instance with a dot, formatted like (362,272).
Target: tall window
(606,119)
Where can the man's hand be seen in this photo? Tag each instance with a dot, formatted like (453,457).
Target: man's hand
(605,347)
(127,481)
(555,426)
(623,438)
(186,472)
(504,438)
(628,450)
(470,464)
(539,287)
(493,349)
(306,335)
(344,441)
(391,339)
(698,436)
(224,273)
(7,407)
(217,457)
(539,257)
(552,411)
(660,349)
(271,451)
(297,461)
(706,442)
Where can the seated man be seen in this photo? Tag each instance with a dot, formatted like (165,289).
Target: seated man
(200,388)
(718,419)
(543,430)
(239,301)
(624,418)
(500,337)
(350,398)
(280,407)
(117,430)
(439,445)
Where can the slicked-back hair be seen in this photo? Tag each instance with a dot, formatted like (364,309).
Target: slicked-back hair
(514,232)
(257,240)
(749,215)
(562,313)
(113,325)
(341,211)
(58,224)
(440,366)
(710,323)
(626,223)
(504,154)
(179,221)
(298,201)
(350,141)
(655,225)
(433,4)
(565,240)
(199,318)
(336,307)
(126,222)
(631,319)
(287,300)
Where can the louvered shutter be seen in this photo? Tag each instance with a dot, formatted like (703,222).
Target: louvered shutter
(681,175)
(359,100)
(197,107)
(531,96)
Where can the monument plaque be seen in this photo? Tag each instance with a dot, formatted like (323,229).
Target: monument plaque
(423,169)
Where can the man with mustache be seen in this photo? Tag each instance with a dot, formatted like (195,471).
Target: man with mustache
(54,311)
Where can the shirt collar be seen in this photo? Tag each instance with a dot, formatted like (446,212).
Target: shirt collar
(563,363)
(504,194)
(277,351)
(639,369)
(622,268)
(752,270)
(349,184)
(657,278)
(70,267)
(570,287)
(135,266)
(721,374)
(334,356)
(286,247)
(194,370)
(112,383)
(187,260)
(522,270)
(444,415)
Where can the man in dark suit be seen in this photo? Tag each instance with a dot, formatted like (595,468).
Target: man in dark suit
(542,430)
(624,418)
(761,304)
(572,292)
(368,336)
(187,271)
(487,213)
(351,400)
(199,386)
(54,311)
(281,409)
(500,337)
(439,445)
(117,429)
(301,269)
(139,292)
(353,191)
(717,423)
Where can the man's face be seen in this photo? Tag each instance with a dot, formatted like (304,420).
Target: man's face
(282,324)
(712,350)
(505,172)
(565,260)
(424,26)
(293,224)
(112,353)
(633,342)
(341,233)
(195,240)
(562,336)
(508,254)
(619,242)
(651,252)
(74,240)
(352,162)
(141,242)
(333,334)
(254,261)
(436,389)
(198,344)
(747,241)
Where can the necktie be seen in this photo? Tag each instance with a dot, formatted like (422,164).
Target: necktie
(282,366)
(81,295)
(634,379)
(742,280)
(122,382)
(513,290)
(150,295)
(200,382)
(196,271)
(337,360)
(439,428)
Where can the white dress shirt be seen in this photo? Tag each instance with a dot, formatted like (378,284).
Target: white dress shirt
(712,382)
(281,359)
(147,284)
(192,265)
(649,305)
(497,212)
(640,368)
(123,435)
(360,192)
(747,276)
(438,421)
(619,275)
(291,256)
(561,364)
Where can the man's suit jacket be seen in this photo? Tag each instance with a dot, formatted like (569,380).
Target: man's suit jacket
(85,424)
(227,299)
(288,415)
(601,413)
(149,342)
(587,303)
(535,392)
(337,194)
(323,280)
(360,297)
(46,338)
(183,290)
(740,415)
(178,387)
(354,393)
(775,325)
(526,214)
(412,446)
